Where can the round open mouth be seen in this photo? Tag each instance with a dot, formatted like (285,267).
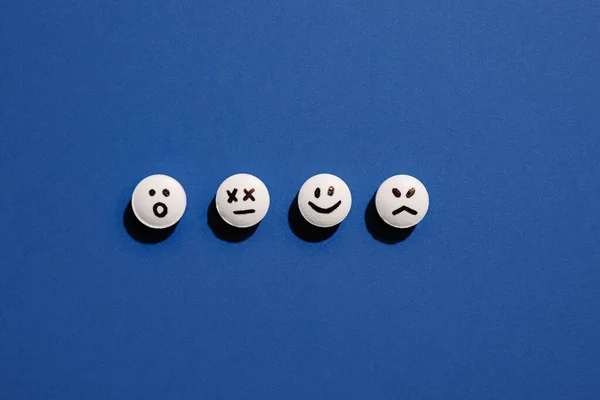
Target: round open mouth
(160,210)
(321,210)
(404,208)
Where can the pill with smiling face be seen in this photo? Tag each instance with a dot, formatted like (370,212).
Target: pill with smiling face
(324,200)
(159,201)
(402,201)
(242,200)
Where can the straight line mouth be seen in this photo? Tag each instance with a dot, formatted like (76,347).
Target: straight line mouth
(241,212)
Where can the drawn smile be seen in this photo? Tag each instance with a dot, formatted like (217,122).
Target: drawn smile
(324,210)
(404,208)
(249,211)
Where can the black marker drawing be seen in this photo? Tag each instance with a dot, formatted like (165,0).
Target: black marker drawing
(163,210)
(249,194)
(250,211)
(321,210)
(231,195)
(404,208)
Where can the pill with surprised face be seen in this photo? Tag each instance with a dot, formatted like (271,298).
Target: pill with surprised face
(159,201)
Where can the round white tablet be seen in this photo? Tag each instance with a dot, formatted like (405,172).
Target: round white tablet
(242,200)
(402,201)
(324,200)
(159,201)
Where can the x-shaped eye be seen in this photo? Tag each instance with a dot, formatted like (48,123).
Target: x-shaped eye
(249,194)
(231,195)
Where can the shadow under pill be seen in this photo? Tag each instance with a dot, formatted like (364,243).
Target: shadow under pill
(304,229)
(223,230)
(141,232)
(380,230)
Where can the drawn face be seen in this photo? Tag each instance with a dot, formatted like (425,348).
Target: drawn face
(159,201)
(324,200)
(402,201)
(242,200)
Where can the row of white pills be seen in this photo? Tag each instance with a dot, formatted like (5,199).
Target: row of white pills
(243,200)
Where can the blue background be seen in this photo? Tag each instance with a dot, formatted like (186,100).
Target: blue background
(493,105)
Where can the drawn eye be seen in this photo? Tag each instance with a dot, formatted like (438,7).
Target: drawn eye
(330,191)
(248,194)
(317,193)
(410,193)
(232,196)
(166,192)
(396,192)
(152,192)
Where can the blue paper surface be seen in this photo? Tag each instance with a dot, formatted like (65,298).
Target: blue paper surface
(493,105)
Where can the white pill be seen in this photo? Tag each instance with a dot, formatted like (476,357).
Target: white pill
(324,200)
(159,201)
(402,201)
(242,200)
